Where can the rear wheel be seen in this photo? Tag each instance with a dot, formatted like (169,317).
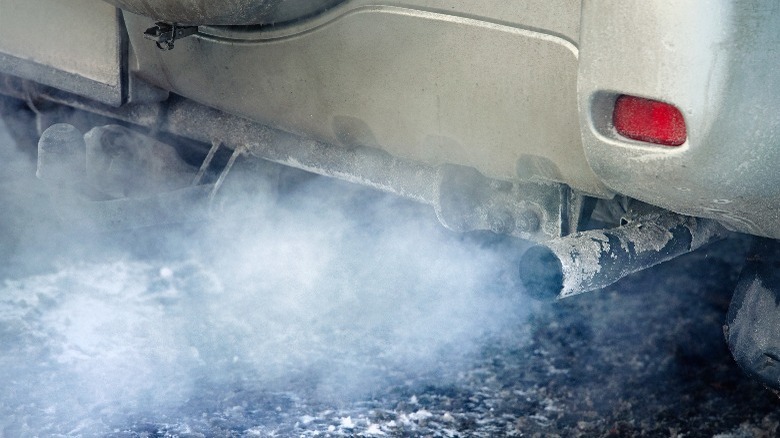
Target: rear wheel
(752,327)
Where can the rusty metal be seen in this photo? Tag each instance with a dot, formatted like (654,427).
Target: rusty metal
(595,259)
(464,199)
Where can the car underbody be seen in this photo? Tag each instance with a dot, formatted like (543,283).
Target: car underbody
(613,135)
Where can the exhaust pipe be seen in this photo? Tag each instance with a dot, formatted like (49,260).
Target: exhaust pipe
(591,260)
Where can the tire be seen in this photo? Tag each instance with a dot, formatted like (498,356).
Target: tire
(752,327)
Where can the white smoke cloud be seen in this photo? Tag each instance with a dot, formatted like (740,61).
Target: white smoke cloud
(331,285)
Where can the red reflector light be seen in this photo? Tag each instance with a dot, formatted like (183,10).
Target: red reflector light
(649,120)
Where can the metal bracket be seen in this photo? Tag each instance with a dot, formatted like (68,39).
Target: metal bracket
(469,201)
(165,34)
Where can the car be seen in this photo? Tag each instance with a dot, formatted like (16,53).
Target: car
(615,135)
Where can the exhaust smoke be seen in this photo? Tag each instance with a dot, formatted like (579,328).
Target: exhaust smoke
(326,289)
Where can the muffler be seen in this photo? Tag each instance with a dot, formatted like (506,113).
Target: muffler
(591,260)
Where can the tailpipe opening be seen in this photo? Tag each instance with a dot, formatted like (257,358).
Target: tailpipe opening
(591,260)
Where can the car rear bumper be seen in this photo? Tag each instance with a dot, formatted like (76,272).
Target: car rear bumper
(717,62)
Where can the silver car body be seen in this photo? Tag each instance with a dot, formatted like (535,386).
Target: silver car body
(520,91)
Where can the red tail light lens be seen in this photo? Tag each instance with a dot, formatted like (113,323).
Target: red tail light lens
(649,120)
